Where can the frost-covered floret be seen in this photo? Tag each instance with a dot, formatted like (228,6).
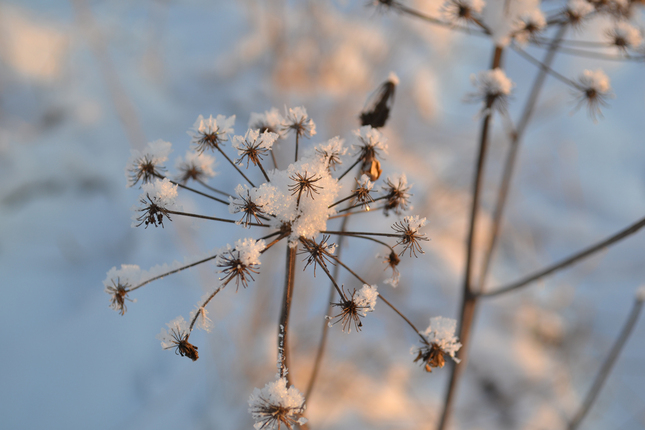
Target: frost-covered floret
(253,146)
(329,153)
(624,36)
(296,120)
(362,191)
(438,339)
(270,120)
(300,197)
(209,133)
(241,262)
(248,203)
(577,10)
(462,10)
(118,283)
(354,307)
(318,252)
(370,143)
(195,166)
(392,260)
(275,406)
(157,200)
(147,164)
(398,196)
(493,88)
(177,337)
(528,25)
(594,90)
(410,235)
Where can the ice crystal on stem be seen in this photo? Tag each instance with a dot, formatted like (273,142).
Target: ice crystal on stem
(438,339)
(195,166)
(146,165)
(202,320)
(352,308)
(277,405)
(594,90)
(210,133)
(177,337)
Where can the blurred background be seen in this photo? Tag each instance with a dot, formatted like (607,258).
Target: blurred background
(83,82)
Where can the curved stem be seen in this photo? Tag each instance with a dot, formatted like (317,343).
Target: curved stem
(163,275)
(606,367)
(194,320)
(215,190)
(567,261)
(234,165)
(188,214)
(185,187)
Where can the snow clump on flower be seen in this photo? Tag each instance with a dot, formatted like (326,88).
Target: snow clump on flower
(162,192)
(270,120)
(250,250)
(195,166)
(276,405)
(462,10)
(577,10)
(209,133)
(528,25)
(296,119)
(366,299)
(143,165)
(594,90)
(438,339)
(624,35)
(493,88)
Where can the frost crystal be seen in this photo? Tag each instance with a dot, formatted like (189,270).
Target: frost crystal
(276,405)
(209,133)
(328,153)
(250,250)
(439,339)
(157,199)
(366,299)
(202,322)
(195,166)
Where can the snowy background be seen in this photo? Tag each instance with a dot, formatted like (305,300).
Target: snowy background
(83,82)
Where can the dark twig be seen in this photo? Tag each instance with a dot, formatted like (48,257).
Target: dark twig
(213,218)
(283,325)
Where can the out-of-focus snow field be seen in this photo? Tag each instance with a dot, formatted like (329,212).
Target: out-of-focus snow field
(83,82)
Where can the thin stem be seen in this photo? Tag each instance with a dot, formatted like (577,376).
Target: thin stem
(363,204)
(185,187)
(263,172)
(469,300)
(380,296)
(348,214)
(349,169)
(213,218)
(215,190)
(606,367)
(192,322)
(581,255)
(283,325)
(297,135)
(543,67)
(511,157)
(360,233)
(342,200)
(377,241)
(597,55)
(432,20)
(331,278)
(275,163)
(163,275)
(235,165)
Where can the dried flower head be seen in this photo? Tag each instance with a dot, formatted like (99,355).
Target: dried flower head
(493,89)
(304,182)
(177,337)
(378,109)
(157,199)
(146,165)
(410,235)
(119,293)
(439,339)
(253,146)
(456,11)
(318,252)
(195,166)
(270,121)
(392,260)
(210,133)
(296,119)
(354,307)
(362,191)
(330,152)
(275,406)
(240,262)
(247,204)
(397,191)
(577,10)
(528,25)
(624,36)
(371,143)
(594,90)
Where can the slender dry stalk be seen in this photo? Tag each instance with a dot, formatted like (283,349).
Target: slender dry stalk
(469,299)
(606,367)
(283,325)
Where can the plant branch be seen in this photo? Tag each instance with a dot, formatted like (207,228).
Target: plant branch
(235,165)
(283,325)
(213,218)
(163,275)
(185,187)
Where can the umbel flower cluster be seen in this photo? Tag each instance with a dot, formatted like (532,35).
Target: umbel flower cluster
(290,201)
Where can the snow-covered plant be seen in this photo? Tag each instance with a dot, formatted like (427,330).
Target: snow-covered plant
(294,202)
